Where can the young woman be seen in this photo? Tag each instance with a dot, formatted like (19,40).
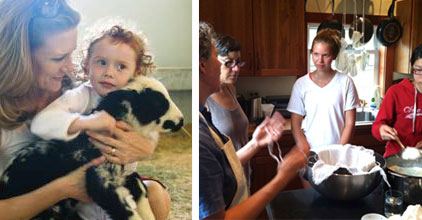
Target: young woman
(401,111)
(325,99)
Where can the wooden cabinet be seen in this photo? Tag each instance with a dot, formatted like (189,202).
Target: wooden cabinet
(272,33)
(409,13)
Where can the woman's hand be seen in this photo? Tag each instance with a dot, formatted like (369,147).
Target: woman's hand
(270,130)
(74,183)
(419,145)
(124,146)
(294,160)
(387,133)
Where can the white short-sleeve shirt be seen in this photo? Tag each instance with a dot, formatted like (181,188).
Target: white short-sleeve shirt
(324,108)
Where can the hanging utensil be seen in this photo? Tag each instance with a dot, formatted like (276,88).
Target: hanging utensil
(330,23)
(390,30)
(342,58)
(362,25)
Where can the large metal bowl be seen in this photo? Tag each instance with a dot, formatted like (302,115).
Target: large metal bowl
(346,187)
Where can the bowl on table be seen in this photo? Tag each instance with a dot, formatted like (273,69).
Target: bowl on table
(343,186)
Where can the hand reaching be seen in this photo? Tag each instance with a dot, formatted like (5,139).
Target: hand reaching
(387,132)
(124,145)
(270,130)
(101,121)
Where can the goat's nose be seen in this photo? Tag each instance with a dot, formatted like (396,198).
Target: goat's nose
(168,124)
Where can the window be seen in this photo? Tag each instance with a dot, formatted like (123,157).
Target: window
(366,81)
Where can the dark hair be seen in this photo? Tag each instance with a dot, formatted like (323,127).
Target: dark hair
(206,40)
(330,37)
(226,44)
(416,55)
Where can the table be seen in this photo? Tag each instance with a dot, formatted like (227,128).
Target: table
(310,204)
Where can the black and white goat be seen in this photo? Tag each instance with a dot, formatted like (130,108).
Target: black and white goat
(145,105)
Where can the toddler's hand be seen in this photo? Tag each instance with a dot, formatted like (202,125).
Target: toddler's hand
(101,121)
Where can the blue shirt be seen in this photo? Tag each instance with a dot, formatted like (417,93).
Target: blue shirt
(217,183)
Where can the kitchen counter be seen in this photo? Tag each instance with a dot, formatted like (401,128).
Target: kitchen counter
(309,204)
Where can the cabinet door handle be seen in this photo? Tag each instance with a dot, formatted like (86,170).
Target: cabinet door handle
(257,62)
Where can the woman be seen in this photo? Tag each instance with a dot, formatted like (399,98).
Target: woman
(401,111)
(222,184)
(228,116)
(326,98)
(38,37)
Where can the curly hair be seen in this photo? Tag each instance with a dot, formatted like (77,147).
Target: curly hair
(118,34)
(24,28)
(330,37)
(206,40)
(226,44)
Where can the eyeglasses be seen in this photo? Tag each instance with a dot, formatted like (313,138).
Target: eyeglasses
(417,71)
(232,63)
(48,8)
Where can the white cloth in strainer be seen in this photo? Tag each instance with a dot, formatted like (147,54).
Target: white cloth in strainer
(356,159)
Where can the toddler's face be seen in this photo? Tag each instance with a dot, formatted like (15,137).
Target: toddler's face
(110,66)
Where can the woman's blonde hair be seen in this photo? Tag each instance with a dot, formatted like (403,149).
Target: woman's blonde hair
(24,25)
(330,37)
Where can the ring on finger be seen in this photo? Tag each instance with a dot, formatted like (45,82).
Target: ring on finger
(113,151)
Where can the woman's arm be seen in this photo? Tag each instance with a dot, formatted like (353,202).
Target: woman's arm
(381,128)
(349,127)
(298,135)
(29,205)
(251,207)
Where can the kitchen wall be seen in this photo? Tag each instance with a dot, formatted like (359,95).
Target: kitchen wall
(168,27)
(283,85)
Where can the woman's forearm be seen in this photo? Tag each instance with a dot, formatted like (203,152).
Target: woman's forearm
(297,132)
(247,152)
(250,208)
(349,127)
(29,205)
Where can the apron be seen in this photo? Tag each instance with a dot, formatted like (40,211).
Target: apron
(229,150)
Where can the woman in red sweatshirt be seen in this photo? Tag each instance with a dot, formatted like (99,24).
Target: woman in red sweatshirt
(397,115)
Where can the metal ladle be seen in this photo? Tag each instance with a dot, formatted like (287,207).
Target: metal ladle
(408,153)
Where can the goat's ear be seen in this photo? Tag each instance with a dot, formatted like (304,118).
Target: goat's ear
(112,103)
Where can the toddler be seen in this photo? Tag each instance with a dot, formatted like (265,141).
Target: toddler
(112,60)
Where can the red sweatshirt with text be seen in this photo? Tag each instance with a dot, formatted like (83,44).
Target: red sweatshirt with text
(397,112)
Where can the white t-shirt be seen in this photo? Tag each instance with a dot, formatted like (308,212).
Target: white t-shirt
(324,108)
